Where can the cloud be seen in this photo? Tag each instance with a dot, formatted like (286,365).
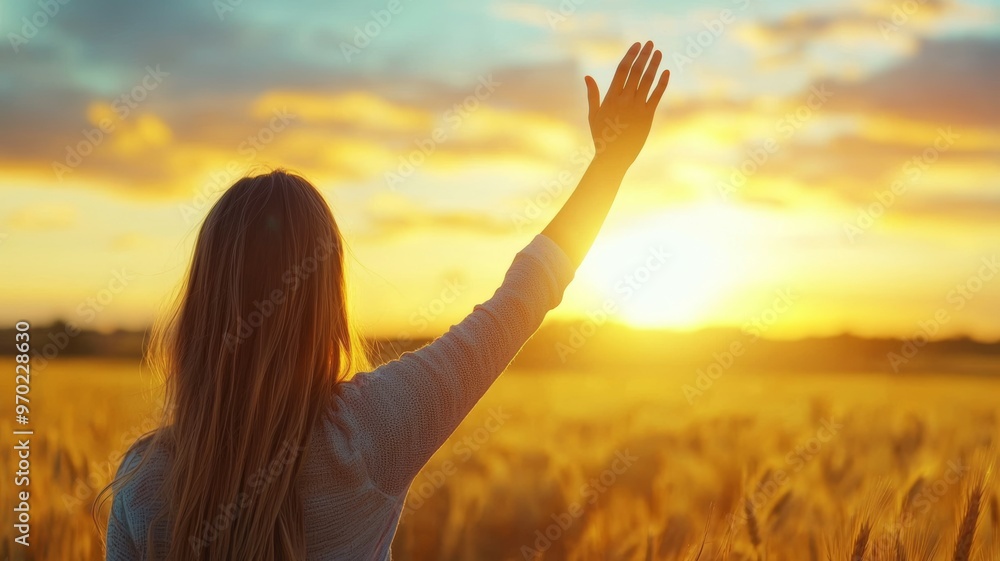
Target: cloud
(523,12)
(353,123)
(563,17)
(227,78)
(980,209)
(466,222)
(872,132)
(42,218)
(901,115)
(131,241)
(894,23)
(392,216)
(946,82)
(350,108)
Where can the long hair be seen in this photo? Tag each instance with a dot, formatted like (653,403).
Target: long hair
(251,357)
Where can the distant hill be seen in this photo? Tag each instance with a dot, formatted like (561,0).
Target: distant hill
(615,346)
(612,347)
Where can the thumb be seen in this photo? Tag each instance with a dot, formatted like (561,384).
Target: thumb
(593,96)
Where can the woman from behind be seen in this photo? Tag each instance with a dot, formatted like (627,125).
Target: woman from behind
(271,447)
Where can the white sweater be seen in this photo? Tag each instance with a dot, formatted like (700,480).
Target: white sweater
(386,424)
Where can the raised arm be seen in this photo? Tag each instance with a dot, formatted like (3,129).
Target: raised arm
(402,412)
(619,126)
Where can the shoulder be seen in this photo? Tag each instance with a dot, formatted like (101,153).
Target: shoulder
(147,447)
(137,494)
(141,472)
(377,392)
(363,403)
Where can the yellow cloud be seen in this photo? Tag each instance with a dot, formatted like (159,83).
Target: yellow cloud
(130,241)
(900,130)
(362,108)
(99,111)
(140,133)
(42,217)
(521,12)
(538,132)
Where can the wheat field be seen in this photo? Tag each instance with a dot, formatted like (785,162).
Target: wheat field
(581,466)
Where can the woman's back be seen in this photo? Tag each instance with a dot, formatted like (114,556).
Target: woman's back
(346,515)
(379,430)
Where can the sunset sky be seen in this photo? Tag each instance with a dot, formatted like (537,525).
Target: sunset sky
(822,167)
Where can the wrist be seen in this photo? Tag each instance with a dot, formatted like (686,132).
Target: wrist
(610,164)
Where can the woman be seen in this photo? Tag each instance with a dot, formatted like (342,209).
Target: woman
(271,449)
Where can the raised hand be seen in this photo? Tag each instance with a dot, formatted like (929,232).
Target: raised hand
(620,124)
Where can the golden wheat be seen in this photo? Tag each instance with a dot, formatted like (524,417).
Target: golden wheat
(685,497)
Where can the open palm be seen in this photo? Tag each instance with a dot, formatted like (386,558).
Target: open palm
(620,124)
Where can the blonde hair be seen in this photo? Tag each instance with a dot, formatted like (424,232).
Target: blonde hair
(251,357)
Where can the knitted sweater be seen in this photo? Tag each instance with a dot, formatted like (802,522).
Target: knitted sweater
(385,426)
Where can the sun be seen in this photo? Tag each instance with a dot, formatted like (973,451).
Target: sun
(667,270)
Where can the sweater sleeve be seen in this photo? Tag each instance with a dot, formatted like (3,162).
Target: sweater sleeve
(404,410)
(119,544)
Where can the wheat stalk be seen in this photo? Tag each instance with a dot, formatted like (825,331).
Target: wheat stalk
(861,542)
(967,529)
(753,529)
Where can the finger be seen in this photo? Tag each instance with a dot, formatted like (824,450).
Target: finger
(637,67)
(622,72)
(661,86)
(650,74)
(593,97)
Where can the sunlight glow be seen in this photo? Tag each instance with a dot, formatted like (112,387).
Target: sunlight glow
(666,270)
